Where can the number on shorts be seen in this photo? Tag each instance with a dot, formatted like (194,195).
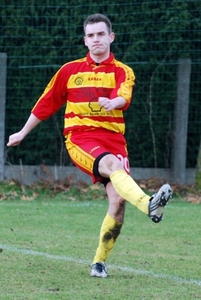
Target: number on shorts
(125,162)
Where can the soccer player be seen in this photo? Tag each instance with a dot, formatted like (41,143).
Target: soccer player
(96,89)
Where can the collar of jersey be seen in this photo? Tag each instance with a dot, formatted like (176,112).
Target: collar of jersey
(90,61)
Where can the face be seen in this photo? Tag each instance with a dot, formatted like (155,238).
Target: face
(98,40)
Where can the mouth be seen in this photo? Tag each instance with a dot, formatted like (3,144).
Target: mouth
(96,46)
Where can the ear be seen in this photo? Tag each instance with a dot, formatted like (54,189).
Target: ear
(112,37)
(85,41)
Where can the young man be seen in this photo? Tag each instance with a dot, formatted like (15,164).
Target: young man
(96,90)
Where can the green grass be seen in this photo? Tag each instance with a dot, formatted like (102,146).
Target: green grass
(48,241)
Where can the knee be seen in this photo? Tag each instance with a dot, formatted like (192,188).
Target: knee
(109,164)
(118,209)
(119,216)
(121,202)
(116,203)
(120,206)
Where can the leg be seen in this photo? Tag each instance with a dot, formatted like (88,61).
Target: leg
(110,166)
(109,232)
(117,205)
(126,187)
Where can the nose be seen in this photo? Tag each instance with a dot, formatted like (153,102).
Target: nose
(96,38)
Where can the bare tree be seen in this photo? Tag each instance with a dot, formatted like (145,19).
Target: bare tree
(149,110)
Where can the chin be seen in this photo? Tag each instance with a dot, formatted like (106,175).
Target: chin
(98,52)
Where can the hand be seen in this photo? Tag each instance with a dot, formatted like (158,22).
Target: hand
(15,139)
(106,103)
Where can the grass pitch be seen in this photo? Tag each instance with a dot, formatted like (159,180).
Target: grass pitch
(47,242)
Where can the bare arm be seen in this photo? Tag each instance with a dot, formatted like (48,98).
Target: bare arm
(110,104)
(17,137)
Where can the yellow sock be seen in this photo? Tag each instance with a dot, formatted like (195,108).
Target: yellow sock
(128,189)
(109,232)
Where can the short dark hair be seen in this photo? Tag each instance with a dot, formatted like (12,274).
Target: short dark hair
(96,18)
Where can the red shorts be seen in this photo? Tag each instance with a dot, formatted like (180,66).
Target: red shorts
(87,147)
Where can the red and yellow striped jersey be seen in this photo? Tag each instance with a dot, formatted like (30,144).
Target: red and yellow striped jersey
(79,84)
